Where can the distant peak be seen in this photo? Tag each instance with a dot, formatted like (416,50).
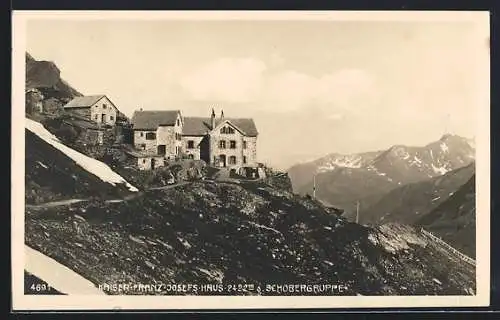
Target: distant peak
(448,136)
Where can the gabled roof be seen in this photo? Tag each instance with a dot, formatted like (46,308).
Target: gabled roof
(198,126)
(244,124)
(151,120)
(84,102)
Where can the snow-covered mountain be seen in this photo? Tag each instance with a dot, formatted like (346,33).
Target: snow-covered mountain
(344,179)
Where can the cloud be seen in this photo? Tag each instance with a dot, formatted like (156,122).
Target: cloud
(248,80)
(341,91)
(226,79)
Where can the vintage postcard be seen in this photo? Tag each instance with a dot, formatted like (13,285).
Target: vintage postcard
(247,160)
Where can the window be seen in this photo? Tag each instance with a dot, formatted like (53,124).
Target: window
(232,160)
(178,122)
(244,144)
(111,118)
(150,135)
(190,144)
(244,159)
(226,130)
(104,106)
(222,144)
(232,144)
(143,160)
(143,146)
(191,156)
(96,117)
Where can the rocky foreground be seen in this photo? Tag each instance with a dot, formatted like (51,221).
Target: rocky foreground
(239,239)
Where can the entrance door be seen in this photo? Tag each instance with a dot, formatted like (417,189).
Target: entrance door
(103,118)
(222,160)
(152,164)
(162,149)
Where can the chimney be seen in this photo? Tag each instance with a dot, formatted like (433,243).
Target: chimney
(212,119)
(222,115)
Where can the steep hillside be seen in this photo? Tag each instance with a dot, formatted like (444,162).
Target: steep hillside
(342,180)
(455,219)
(55,172)
(222,234)
(410,202)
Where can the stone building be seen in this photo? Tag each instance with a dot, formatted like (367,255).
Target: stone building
(97,108)
(219,141)
(34,101)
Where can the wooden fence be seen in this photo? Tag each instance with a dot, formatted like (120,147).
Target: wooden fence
(445,245)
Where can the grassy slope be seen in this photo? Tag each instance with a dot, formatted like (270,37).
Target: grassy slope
(220,233)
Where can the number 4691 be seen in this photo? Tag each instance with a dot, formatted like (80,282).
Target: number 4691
(39,287)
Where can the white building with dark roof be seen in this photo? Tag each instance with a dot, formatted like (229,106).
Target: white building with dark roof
(97,108)
(223,142)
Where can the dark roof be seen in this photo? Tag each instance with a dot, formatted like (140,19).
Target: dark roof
(196,126)
(244,124)
(192,126)
(83,102)
(151,120)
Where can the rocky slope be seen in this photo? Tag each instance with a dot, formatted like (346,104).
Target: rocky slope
(222,234)
(342,180)
(409,203)
(455,219)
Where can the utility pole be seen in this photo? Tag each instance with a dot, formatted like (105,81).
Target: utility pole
(357,211)
(314,187)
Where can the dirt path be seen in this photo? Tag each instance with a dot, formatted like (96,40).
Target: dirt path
(55,203)
(171,186)
(128,197)
(58,276)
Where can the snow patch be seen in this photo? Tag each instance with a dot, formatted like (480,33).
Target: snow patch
(58,276)
(440,170)
(444,147)
(96,167)
(353,162)
(436,198)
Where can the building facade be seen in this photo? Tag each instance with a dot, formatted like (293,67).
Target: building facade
(222,142)
(98,108)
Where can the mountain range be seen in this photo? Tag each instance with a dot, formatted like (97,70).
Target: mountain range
(342,180)
(408,203)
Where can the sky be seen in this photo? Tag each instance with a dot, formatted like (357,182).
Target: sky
(312,87)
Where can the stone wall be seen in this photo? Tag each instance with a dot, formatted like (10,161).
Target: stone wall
(106,108)
(196,151)
(141,143)
(250,152)
(144,163)
(166,136)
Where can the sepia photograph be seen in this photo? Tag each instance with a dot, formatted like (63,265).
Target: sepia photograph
(190,160)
